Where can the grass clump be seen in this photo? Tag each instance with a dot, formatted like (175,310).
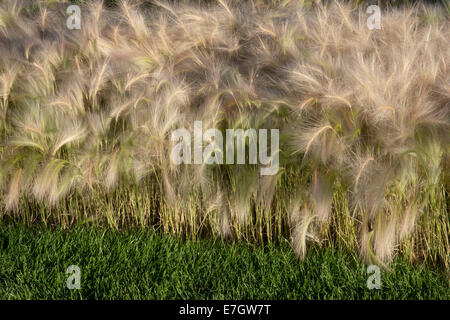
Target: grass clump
(86,118)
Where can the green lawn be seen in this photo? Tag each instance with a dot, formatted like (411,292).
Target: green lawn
(139,264)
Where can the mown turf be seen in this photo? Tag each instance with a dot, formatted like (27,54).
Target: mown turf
(139,264)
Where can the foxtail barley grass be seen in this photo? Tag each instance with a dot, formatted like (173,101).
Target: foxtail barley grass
(86,117)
